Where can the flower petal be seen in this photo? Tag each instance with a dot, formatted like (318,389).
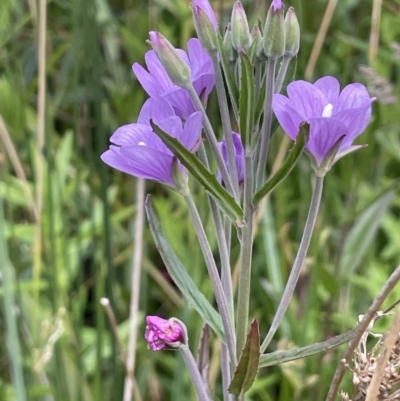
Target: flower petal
(324,133)
(288,118)
(155,109)
(356,120)
(180,100)
(306,99)
(330,87)
(352,96)
(192,130)
(200,61)
(148,163)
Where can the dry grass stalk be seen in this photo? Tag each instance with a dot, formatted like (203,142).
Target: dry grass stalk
(376,372)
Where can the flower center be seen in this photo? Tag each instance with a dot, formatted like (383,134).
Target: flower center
(141,144)
(327,112)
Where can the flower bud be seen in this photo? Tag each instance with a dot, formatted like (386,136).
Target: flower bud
(292,32)
(205,24)
(241,38)
(256,37)
(176,68)
(165,334)
(230,52)
(274,31)
(180,179)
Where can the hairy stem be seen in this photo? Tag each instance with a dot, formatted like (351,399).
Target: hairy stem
(282,73)
(212,139)
(194,373)
(263,142)
(214,276)
(226,123)
(298,262)
(246,254)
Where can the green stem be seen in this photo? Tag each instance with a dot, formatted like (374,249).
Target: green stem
(298,262)
(214,276)
(212,139)
(194,373)
(226,123)
(246,254)
(282,73)
(263,142)
(12,337)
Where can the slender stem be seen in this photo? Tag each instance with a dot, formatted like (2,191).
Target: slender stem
(12,337)
(258,77)
(214,276)
(226,123)
(282,73)
(298,262)
(135,289)
(359,331)
(194,373)
(263,142)
(226,373)
(246,254)
(212,139)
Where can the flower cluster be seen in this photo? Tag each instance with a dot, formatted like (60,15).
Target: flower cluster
(135,148)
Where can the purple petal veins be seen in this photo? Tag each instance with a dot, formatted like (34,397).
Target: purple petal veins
(331,114)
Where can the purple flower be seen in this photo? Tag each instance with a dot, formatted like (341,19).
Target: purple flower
(205,6)
(239,156)
(138,151)
(157,83)
(161,333)
(332,114)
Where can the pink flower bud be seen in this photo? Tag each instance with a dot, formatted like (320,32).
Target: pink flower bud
(274,31)
(164,334)
(205,24)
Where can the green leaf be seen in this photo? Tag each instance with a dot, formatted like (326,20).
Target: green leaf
(229,79)
(287,166)
(180,276)
(247,367)
(246,101)
(361,235)
(224,199)
(277,357)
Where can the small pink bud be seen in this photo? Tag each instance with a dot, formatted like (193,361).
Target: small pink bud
(241,38)
(274,31)
(164,334)
(206,25)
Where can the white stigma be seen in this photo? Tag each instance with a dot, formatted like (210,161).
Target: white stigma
(141,144)
(327,112)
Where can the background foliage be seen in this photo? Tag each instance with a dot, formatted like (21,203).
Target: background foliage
(68,220)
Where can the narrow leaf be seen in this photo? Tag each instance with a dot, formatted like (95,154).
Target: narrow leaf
(224,199)
(180,276)
(246,101)
(287,166)
(203,355)
(277,357)
(230,81)
(361,235)
(247,367)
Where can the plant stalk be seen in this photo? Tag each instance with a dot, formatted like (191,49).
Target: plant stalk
(298,262)
(214,277)
(282,73)
(226,123)
(246,254)
(194,373)
(263,142)
(212,139)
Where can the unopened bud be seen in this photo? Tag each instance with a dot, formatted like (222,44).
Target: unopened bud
(292,31)
(230,52)
(205,24)
(256,37)
(173,63)
(274,31)
(241,38)
(180,179)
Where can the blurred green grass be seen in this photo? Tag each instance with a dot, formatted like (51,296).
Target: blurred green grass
(78,248)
